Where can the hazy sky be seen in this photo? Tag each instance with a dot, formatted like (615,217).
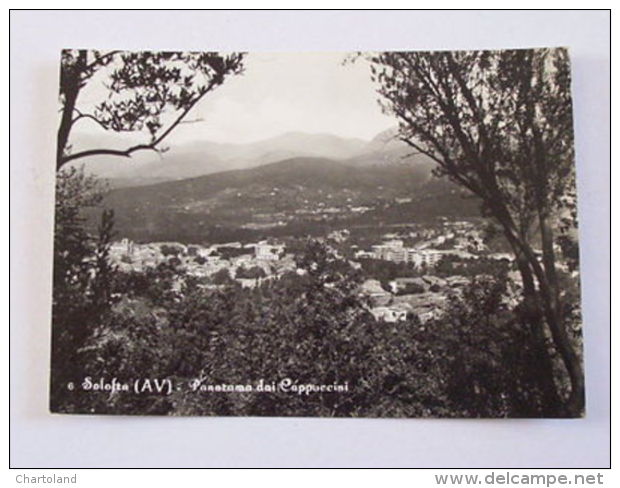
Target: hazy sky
(284,92)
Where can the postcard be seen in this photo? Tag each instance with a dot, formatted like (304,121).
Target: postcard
(316,234)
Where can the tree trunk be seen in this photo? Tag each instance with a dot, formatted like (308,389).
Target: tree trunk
(549,304)
(574,405)
(533,318)
(70,88)
(549,298)
(572,361)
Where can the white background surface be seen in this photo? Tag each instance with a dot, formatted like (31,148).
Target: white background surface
(39,439)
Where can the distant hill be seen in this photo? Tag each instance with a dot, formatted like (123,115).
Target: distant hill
(386,149)
(205,157)
(295,196)
(321,173)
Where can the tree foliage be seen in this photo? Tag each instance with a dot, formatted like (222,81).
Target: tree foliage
(492,370)
(148,92)
(83,277)
(312,328)
(499,123)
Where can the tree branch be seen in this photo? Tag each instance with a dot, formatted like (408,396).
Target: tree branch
(99,61)
(139,147)
(81,115)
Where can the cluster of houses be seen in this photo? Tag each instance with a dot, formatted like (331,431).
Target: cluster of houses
(424,297)
(458,239)
(420,256)
(201,261)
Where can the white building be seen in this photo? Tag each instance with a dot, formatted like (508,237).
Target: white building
(388,314)
(425,257)
(268,252)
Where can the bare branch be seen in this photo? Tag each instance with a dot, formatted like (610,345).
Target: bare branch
(192,121)
(81,115)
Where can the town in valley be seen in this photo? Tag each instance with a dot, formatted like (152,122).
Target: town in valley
(404,270)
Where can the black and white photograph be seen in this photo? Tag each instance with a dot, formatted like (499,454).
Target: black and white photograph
(327,234)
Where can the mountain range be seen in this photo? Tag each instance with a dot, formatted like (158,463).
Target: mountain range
(293,184)
(201,158)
